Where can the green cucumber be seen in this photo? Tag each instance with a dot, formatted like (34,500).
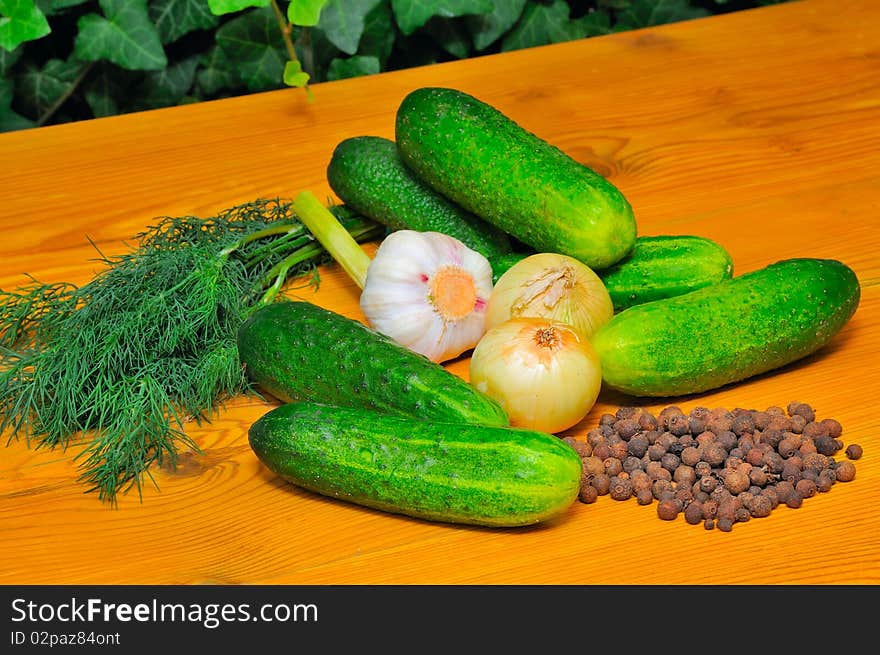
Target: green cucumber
(502,263)
(449,472)
(482,160)
(367,174)
(297,351)
(665,266)
(729,331)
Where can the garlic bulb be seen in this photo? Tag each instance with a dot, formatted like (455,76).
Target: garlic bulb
(553,286)
(429,292)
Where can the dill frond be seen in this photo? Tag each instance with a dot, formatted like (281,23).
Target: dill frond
(127,360)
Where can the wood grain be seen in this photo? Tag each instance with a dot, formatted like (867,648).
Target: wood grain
(760,129)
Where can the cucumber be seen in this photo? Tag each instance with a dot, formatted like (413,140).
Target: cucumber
(449,472)
(665,266)
(297,351)
(501,263)
(729,331)
(658,267)
(367,174)
(482,160)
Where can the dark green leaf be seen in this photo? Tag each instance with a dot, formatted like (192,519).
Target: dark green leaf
(379,34)
(485,29)
(352,67)
(217,73)
(20,21)
(124,35)
(413,14)
(8,59)
(220,7)
(167,87)
(9,120)
(343,22)
(543,24)
(52,7)
(175,18)
(105,88)
(254,43)
(305,12)
(595,23)
(643,13)
(450,35)
(39,88)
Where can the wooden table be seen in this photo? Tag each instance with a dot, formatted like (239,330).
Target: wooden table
(759,129)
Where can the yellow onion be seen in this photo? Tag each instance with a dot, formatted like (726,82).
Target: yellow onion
(554,286)
(544,373)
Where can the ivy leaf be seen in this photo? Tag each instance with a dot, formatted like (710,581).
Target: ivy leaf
(167,87)
(254,43)
(487,28)
(8,59)
(9,120)
(343,22)
(379,34)
(38,88)
(106,85)
(643,13)
(220,7)
(450,35)
(356,66)
(595,23)
(52,7)
(175,18)
(216,73)
(541,25)
(124,35)
(20,21)
(413,14)
(305,13)
(294,75)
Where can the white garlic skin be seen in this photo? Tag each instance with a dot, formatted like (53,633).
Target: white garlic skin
(428,292)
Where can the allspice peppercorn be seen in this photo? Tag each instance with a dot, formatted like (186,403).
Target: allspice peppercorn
(693,512)
(716,466)
(736,481)
(588,494)
(845,471)
(854,451)
(668,510)
(620,488)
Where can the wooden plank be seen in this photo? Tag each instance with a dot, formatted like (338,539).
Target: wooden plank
(768,145)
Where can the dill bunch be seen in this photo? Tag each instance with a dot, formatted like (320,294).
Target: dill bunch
(124,361)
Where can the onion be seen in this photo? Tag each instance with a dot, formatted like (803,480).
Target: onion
(543,373)
(554,286)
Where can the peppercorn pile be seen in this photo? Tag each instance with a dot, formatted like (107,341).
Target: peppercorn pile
(717,467)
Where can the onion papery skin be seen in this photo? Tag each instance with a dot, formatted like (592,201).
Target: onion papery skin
(542,372)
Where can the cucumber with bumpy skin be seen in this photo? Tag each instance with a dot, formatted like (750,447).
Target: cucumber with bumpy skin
(485,162)
(367,174)
(297,351)
(729,331)
(448,472)
(658,267)
(665,266)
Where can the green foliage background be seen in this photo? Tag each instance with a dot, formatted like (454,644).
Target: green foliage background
(68,60)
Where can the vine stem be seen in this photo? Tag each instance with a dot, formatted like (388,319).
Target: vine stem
(285,31)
